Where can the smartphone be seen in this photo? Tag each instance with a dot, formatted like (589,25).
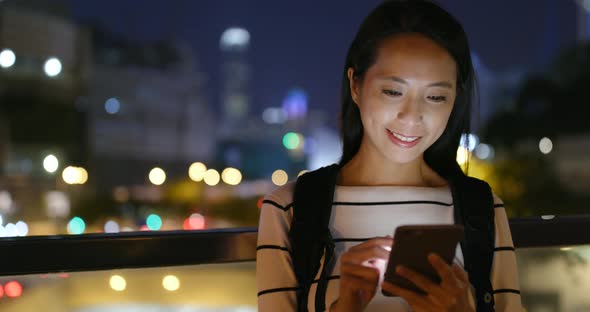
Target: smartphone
(411,246)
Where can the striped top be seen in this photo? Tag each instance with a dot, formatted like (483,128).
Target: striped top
(361,213)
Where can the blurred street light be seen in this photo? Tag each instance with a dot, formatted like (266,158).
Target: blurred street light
(234,38)
(52,67)
(211,177)
(293,140)
(75,175)
(117,283)
(545,145)
(280,177)
(231,176)
(462,155)
(171,283)
(112,106)
(7,58)
(196,171)
(76,226)
(157,176)
(50,163)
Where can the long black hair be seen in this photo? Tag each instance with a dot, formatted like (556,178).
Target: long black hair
(411,16)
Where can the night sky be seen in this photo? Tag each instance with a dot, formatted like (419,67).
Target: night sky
(303,43)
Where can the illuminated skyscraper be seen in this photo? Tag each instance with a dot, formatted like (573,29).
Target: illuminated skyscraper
(235,75)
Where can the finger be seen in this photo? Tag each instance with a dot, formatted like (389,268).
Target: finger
(460,273)
(416,301)
(384,242)
(365,253)
(367,273)
(443,269)
(421,281)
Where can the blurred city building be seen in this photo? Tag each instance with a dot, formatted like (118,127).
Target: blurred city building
(45,63)
(147,107)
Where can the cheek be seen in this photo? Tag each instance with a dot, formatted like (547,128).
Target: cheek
(374,111)
(439,122)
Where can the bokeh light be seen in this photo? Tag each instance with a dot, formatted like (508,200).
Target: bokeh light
(50,163)
(112,106)
(10,230)
(13,289)
(76,226)
(171,283)
(154,222)
(462,155)
(231,176)
(196,221)
(52,67)
(75,175)
(484,151)
(211,177)
(111,227)
(280,177)
(69,175)
(234,38)
(83,174)
(7,58)
(469,141)
(118,283)
(260,202)
(292,140)
(545,145)
(22,229)
(196,171)
(302,172)
(295,104)
(157,176)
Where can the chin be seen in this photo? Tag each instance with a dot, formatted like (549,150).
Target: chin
(403,158)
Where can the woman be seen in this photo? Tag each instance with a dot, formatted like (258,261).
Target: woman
(406,97)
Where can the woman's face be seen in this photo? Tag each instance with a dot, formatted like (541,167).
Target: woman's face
(405,98)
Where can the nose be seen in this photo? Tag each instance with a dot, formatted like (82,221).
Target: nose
(410,112)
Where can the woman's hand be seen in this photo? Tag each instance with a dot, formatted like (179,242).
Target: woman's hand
(451,295)
(361,272)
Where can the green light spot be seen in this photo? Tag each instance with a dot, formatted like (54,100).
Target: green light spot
(154,222)
(76,226)
(291,140)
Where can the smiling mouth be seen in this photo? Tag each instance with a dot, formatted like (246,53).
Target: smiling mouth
(403,138)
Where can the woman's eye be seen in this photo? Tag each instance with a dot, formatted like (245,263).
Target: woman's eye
(437,98)
(391,92)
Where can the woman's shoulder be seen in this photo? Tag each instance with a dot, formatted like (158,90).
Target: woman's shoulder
(281,195)
(497,199)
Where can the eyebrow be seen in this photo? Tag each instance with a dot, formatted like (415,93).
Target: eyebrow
(444,84)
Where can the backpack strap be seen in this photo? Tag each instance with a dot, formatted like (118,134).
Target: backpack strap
(474,209)
(309,234)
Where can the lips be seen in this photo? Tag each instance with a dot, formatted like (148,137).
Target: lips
(403,140)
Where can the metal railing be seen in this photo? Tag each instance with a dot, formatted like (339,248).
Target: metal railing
(89,252)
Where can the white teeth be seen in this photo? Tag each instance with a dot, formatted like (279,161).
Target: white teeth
(403,138)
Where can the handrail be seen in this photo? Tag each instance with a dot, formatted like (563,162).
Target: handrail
(89,252)
(550,231)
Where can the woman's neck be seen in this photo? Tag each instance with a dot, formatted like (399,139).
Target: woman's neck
(363,170)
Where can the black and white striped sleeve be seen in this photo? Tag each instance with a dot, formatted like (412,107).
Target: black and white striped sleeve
(275,278)
(504,268)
